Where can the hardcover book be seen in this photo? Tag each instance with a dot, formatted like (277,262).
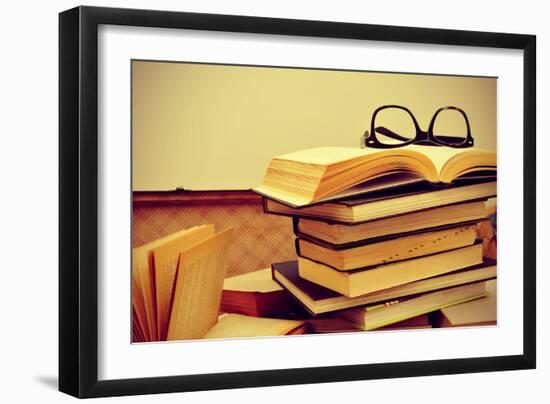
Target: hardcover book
(371,279)
(375,252)
(318,300)
(364,209)
(346,235)
(380,315)
(313,175)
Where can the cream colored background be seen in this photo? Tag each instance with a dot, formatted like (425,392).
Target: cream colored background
(214,127)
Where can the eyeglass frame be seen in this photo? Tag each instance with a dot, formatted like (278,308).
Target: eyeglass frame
(426,138)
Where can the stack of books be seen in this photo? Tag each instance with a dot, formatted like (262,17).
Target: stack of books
(383,236)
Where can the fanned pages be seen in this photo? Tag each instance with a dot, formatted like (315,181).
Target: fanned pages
(143,273)
(139,311)
(165,265)
(155,268)
(308,176)
(198,287)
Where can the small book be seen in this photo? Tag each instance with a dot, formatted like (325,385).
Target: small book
(317,299)
(480,312)
(313,175)
(364,209)
(177,282)
(345,234)
(373,252)
(256,294)
(240,326)
(380,315)
(371,279)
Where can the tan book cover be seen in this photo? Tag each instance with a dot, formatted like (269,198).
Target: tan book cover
(477,312)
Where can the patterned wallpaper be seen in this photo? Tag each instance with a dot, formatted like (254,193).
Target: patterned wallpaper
(260,239)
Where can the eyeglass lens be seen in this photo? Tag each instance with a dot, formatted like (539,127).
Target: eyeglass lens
(394,126)
(450,127)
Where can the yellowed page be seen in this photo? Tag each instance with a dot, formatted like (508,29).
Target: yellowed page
(330,155)
(305,176)
(139,311)
(444,158)
(438,155)
(142,272)
(198,287)
(239,326)
(166,263)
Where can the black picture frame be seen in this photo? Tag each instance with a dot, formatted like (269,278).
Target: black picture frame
(78,200)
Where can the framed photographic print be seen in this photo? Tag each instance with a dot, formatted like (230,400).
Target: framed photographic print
(250,201)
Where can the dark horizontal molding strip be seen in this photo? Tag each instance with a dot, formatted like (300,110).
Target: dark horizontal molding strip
(306,28)
(329,374)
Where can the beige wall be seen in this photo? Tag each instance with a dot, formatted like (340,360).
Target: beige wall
(217,127)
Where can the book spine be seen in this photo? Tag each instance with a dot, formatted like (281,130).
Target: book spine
(297,246)
(300,303)
(295,224)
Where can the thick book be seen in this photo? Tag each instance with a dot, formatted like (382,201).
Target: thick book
(313,175)
(256,294)
(376,252)
(364,209)
(380,315)
(318,300)
(371,279)
(177,282)
(345,235)
(481,312)
(240,326)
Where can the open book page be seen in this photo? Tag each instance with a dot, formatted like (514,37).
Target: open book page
(438,155)
(166,258)
(328,155)
(450,162)
(142,275)
(139,310)
(198,287)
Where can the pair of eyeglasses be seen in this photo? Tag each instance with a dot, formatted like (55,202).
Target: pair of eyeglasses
(386,131)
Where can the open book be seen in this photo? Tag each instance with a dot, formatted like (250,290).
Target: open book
(177,284)
(315,175)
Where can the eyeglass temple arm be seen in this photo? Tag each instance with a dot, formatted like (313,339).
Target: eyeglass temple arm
(386,132)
